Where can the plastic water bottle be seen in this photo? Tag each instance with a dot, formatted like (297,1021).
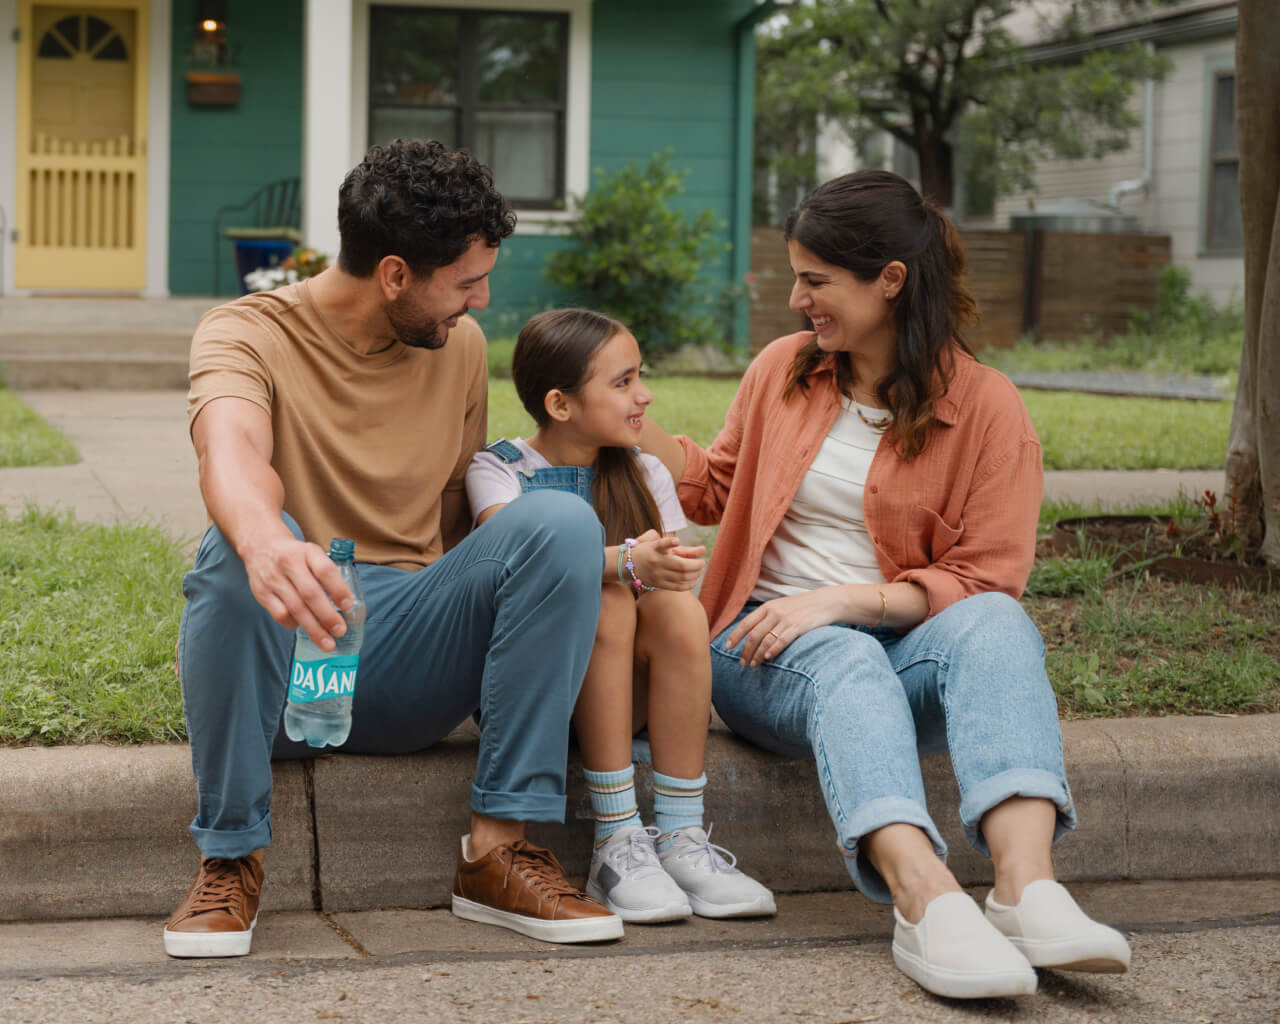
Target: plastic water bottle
(321,685)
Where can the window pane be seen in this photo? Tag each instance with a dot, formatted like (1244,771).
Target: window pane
(389,123)
(1224,116)
(70,29)
(519,58)
(413,56)
(95,28)
(1225,229)
(114,50)
(520,149)
(51,46)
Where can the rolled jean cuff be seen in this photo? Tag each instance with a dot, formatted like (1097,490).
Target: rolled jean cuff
(875,814)
(232,843)
(518,806)
(1026,782)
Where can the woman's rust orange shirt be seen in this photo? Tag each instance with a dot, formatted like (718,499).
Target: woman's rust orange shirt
(958,520)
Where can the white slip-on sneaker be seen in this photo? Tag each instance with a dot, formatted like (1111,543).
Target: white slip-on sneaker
(709,876)
(1051,930)
(955,952)
(627,877)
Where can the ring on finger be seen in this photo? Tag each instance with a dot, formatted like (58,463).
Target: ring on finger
(773,634)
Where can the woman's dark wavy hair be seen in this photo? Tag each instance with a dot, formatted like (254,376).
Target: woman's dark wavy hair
(415,199)
(862,222)
(555,352)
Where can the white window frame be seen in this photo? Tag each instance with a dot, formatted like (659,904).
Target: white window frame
(577,118)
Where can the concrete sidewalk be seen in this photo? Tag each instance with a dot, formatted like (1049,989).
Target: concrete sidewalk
(101,831)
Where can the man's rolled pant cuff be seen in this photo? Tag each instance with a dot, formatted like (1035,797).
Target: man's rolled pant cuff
(232,843)
(518,806)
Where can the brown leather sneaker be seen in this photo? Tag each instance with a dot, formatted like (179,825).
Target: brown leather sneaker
(218,915)
(522,887)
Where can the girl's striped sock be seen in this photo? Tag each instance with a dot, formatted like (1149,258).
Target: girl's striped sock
(613,800)
(677,804)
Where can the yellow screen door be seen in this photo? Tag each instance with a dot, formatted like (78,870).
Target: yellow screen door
(82,149)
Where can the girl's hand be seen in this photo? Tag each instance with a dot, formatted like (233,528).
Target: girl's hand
(663,562)
(775,624)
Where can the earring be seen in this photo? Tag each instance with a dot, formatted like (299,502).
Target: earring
(887,297)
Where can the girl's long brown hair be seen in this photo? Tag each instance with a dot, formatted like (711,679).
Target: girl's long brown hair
(862,222)
(555,352)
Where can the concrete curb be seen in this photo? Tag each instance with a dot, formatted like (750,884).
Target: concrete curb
(101,831)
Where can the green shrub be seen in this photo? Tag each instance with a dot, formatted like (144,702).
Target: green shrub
(1177,310)
(637,258)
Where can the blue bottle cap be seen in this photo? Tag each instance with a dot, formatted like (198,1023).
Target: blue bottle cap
(342,550)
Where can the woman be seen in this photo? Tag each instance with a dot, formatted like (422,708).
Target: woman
(878,491)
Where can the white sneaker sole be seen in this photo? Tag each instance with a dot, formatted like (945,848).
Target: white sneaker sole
(1082,953)
(199,945)
(764,906)
(586,929)
(964,984)
(644,915)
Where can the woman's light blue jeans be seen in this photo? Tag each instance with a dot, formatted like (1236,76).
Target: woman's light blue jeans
(866,703)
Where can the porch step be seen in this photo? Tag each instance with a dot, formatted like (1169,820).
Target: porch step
(96,371)
(97,343)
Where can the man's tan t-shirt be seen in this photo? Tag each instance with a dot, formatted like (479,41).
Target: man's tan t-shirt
(366,445)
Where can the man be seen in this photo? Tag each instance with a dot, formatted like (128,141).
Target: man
(349,405)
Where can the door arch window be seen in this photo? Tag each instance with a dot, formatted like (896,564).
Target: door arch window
(82,35)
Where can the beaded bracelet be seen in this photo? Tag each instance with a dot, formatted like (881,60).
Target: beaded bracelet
(636,582)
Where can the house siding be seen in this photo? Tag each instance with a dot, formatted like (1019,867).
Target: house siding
(662,79)
(219,156)
(1175,201)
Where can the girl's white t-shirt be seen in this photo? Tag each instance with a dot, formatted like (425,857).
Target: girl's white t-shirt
(822,540)
(490,481)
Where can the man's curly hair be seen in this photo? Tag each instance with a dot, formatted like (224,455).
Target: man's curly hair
(415,199)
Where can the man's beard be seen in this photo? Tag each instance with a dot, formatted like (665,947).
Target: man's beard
(413,331)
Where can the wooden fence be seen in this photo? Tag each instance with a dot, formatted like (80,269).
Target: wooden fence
(1048,284)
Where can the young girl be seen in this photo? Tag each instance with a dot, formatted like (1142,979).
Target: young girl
(577,372)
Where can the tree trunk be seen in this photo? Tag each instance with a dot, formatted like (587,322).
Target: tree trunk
(1253,452)
(936,163)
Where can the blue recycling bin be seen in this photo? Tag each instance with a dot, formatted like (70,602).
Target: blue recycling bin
(252,253)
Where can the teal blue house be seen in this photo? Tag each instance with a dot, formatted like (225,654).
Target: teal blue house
(545,91)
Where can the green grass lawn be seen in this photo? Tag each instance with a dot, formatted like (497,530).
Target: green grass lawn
(26,439)
(89,616)
(88,620)
(1076,431)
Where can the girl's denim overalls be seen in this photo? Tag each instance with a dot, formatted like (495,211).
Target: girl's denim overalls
(573,479)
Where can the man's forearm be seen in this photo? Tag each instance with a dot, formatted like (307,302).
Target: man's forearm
(243,494)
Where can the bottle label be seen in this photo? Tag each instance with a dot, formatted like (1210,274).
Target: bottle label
(323,678)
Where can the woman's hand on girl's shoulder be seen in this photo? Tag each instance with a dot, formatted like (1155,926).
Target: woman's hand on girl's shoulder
(665,563)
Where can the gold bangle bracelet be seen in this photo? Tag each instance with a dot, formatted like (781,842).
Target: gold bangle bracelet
(884,607)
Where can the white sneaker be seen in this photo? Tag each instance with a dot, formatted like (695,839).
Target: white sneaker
(709,877)
(954,951)
(627,877)
(1051,930)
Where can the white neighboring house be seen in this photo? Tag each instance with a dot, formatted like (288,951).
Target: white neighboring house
(1179,175)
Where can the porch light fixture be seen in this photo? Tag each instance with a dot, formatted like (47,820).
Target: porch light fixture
(214,84)
(211,32)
